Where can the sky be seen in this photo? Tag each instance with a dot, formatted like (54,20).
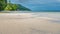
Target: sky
(37,5)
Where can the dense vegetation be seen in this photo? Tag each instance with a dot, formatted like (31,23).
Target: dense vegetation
(3,4)
(11,7)
(22,8)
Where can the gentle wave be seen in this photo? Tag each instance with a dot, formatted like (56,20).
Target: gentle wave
(53,17)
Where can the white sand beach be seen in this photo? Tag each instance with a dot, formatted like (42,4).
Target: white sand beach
(26,23)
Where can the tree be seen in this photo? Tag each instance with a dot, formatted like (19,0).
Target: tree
(11,7)
(3,4)
(14,6)
(8,7)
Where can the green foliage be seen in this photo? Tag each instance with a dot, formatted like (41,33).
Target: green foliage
(22,8)
(2,4)
(11,7)
(8,7)
(14,6)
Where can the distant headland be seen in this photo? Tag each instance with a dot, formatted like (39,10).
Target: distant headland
(8,6)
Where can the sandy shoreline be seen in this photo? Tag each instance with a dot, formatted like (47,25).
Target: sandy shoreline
(26,24)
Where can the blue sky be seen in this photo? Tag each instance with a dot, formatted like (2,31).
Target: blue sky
(37,5)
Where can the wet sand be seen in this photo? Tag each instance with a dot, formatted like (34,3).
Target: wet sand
(26,24)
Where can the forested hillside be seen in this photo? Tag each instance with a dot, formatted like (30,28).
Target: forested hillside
(4,5)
